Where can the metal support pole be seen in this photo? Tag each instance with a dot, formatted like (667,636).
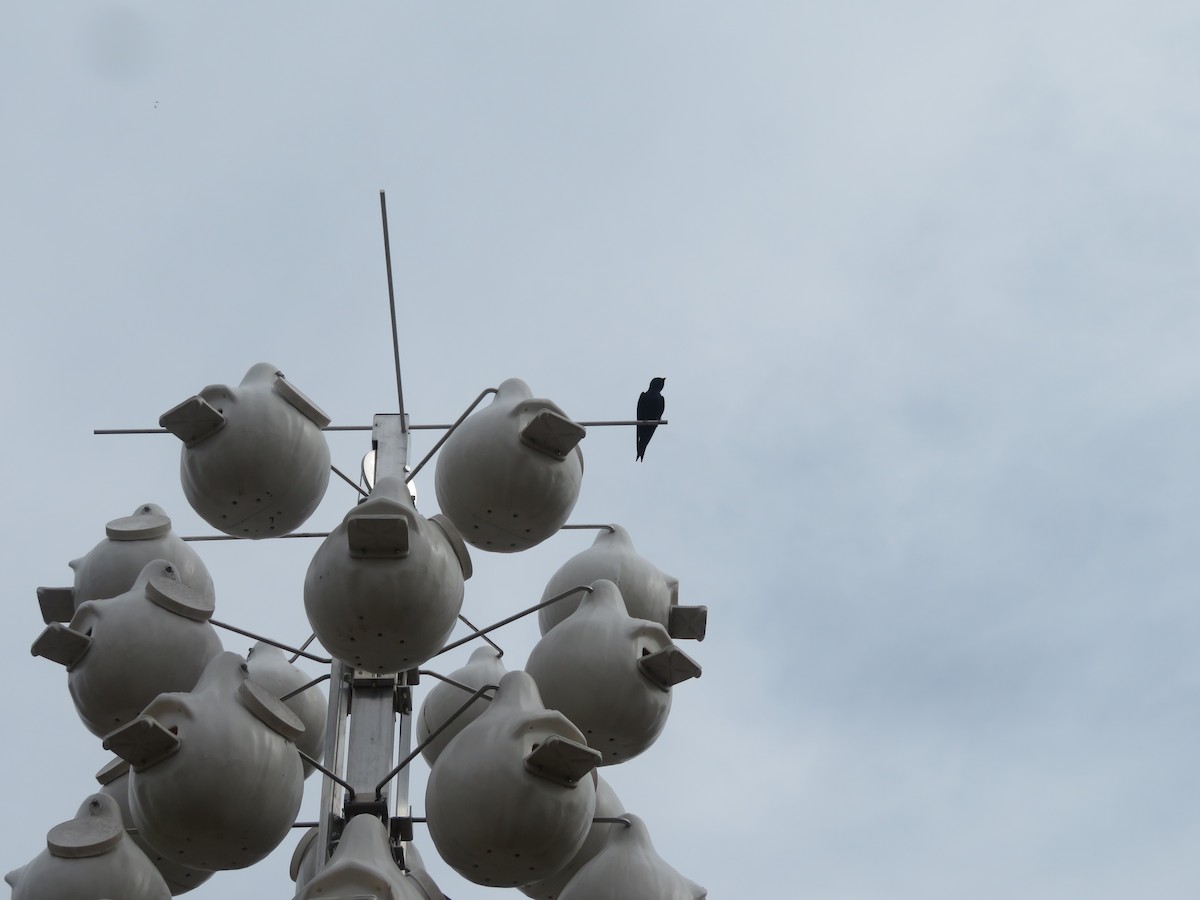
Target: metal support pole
(368,710)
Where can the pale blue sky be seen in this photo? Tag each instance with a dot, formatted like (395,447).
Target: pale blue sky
(922,279)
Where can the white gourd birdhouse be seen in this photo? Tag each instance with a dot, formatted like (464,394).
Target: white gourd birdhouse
(415,866)
(608,805)
(609,673)
(509,476)
(111,567)
(511,799)
(362,866)
(647,592)
(628,866)
(269,666)
(444,700)
(216,780)
(122,652)
(114,781)
(89,857)
(303,868)
(255,462)
(384,590)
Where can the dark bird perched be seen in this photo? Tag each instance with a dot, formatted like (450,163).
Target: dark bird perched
(650,407)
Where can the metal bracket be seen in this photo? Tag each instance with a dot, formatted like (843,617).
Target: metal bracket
(364,678)
(400,829)
(370,805)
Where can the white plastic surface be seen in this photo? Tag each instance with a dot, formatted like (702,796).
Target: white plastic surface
(269,667)
(503,493)
(138,527)
(385,613)
(443,700)
(114,780)
(231,793)
(111,567)
(588,669)
(269,710)
(648,592)
(627,867)
(139,649)
(264,472)
(490,818)
(89,857)
(176,597)
(361,866)
(608,805)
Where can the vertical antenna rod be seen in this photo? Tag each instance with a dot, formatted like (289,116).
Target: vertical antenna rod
(387,254)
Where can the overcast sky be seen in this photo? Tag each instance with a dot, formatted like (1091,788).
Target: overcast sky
(922,278)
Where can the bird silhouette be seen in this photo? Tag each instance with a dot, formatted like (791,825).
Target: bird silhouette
(650,408)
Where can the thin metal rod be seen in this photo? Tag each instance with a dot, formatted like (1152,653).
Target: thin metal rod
(450,430)
(304,646)
(342,475)
(600,820)
(324,771)
(164,431)
(584,424)
(438,427)
(433,735)
(267,640)
(499,650)
(300,690)
(607,528)
(231,537)
(387,255)
(130,431)
(305,824)
(481,632)
(612,820)
(451,681)
(624,422)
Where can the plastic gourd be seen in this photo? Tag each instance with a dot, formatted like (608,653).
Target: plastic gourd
(114,781)
(303,868)
(415,867)
(111,567)
(509,475)
(601,669)
(384,590)
(648,593)
(608,805)
(122,652)
(628,866)
(362,867)
(216,780)
(443,700)
(269,666)
(510,800)
(89,857)
(255,462)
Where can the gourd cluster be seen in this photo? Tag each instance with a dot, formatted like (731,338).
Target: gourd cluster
(212,749)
